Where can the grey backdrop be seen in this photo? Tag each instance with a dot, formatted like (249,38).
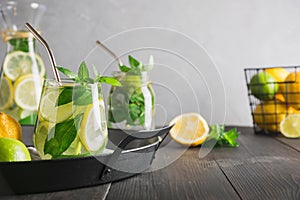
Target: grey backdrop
(235,34)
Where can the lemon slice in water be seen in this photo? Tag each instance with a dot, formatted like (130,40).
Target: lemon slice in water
(93,129)
(18,63)
(27,90)
(6,95)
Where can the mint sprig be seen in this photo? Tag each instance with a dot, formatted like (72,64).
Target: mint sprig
(136,67)
(83,76)
(222,137)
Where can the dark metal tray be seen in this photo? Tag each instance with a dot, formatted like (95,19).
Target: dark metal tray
(132,153)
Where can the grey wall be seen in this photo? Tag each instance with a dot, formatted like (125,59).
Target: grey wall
(235,33)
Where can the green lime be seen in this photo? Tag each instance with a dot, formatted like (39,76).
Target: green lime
(263,86)
(13,150)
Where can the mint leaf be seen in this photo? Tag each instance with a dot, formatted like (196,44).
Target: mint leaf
(134,64)
(83,98)
(65,96)
(64,134)
(67,72)
(83,72)
(108,80)
(124,68)
(223,138)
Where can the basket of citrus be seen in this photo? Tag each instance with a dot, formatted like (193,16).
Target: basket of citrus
(274,97)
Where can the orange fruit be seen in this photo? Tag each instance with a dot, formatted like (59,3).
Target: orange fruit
(189,129)
(9,127)
(279,74)
(269,114)
(291,91)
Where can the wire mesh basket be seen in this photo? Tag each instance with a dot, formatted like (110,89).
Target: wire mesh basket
(274,93)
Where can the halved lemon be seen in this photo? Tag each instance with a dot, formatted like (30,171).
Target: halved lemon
(6,93)
(50,111)
(18,63)
(93,129)
(27,91)
(189,129)
(290,126)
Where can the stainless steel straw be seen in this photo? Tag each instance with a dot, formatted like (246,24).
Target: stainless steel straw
(110,52)
(50,54)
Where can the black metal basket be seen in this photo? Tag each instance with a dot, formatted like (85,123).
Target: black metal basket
(269,108)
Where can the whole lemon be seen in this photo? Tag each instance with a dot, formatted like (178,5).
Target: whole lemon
(9,127)
(263,86)
(291,91)
(268,115)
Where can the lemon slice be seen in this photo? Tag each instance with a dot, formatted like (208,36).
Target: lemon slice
(18,63)
(50,111)
(6,94)
(39,138)
(290,126)
(189,129)
(27,90)
(93,129)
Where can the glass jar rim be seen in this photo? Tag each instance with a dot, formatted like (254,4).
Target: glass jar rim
(64,82)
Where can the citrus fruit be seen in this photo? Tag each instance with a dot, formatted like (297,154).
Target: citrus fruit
(9,127)
(19,63)
(263,86)
(268,115)
(291,91)
(93,131)
(13,150)
(290,126)
(279,74)
(27,90)
(189,129)
(49,109)
(39,138)
(6,94)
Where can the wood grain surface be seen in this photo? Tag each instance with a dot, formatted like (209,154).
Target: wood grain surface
(262,167)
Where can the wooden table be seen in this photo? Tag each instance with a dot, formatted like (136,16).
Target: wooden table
(263,167)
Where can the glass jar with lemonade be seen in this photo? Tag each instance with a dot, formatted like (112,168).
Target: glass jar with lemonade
(23,70)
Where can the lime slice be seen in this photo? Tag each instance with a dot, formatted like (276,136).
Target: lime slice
(48,109)
(290,126)
(6,95)
(27,90)
(39,138)
(74,148)
(19,63)
(93,129)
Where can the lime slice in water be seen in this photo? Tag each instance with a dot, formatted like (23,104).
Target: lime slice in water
(39,138)
(27,90)
(19,63)
(50,111)
(93,130)
(6,95)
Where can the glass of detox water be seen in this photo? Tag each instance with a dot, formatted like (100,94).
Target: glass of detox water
(71,120)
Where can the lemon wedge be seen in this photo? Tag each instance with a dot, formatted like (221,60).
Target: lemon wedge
(6,94)
(189,129)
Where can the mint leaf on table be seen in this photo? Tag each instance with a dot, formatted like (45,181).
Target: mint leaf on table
(63,134)
(222,137)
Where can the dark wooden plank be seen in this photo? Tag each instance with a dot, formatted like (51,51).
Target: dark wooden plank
(91,193)
(261,168)
(187,178)
(294,143)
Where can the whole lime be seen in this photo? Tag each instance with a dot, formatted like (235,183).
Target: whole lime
(263,86)
(13,150)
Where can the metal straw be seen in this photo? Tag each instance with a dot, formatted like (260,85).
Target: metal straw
(50,54)
(110,52)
